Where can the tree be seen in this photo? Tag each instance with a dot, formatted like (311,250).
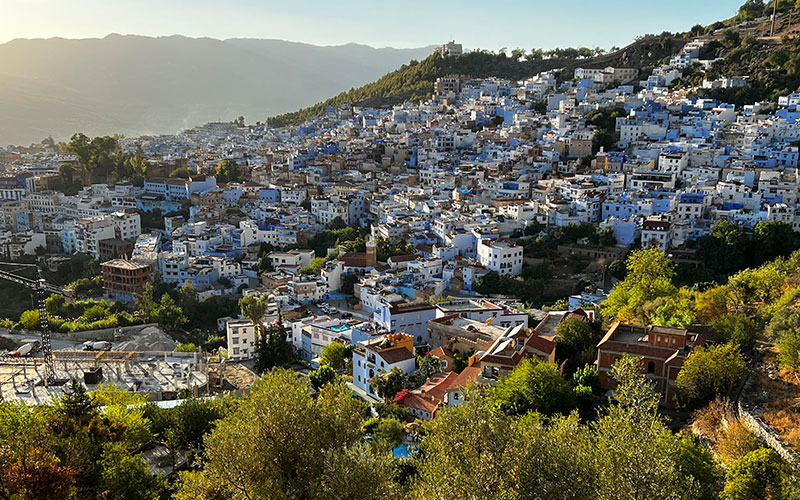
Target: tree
(228,171)
(145,301)
(387,385)
(126,476)
(490,453)
(272,349)
(321,376)
(709,372)
(724,249)
(75,402)
(575,337)
(348,283)
(253,308)
(739,330)
(30,320)
(298,447)
(533,386)
(471,451)
(756,476)
(182,173)
(389,434)
(168,314)
(789,350)
(631,438)
(751,9)
(337,223)
(773,239)
(333,355)
(30,472)
(188,299)
(587,376)
(649,276)
(428,367)
(784,329)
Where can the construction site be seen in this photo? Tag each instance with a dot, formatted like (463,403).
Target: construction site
(36,367)
(140,359)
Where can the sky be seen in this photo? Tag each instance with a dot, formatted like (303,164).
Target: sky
(485,24)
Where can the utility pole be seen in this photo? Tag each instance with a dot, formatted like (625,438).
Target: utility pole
(774,12)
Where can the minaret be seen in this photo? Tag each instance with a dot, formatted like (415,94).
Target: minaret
(372,253)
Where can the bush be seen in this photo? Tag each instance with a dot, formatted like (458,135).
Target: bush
(186,348)
(371,424)
(709,372)
(321,376)
(533,386)
(738,330)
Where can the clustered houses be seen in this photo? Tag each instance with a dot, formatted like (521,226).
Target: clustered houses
(452,181)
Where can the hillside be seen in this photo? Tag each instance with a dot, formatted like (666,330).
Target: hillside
(742,44)
(415,81)
(137,85)
(747,49)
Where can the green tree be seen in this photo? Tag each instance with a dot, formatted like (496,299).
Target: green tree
(333,355)
(75,402)
(387,385)
(302,447)
(724,250)
(734,329)
(145,301)
(709,372)
(168,314)
(321,376)
(126,476)
(253,308)
(189,300)
(575,338)
(756,476)
(337,223)
(490,454)
(182,173)
(428,367)
(631,438)
(533,386)
(773,239)
(228,171)
(30,320)
(649,276)
(389,434)
(789,350)
(272,349)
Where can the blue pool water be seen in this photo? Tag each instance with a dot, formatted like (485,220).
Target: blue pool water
(403,451)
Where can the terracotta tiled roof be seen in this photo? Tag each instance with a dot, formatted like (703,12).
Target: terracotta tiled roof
(393,356)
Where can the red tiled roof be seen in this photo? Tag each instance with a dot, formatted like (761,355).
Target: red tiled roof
(393,356)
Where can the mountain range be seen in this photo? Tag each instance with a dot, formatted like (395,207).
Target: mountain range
(136,85)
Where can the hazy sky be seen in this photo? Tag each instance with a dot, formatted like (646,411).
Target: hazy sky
(400,23)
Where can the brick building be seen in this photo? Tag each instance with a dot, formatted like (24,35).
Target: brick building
(124,278)
(662,349)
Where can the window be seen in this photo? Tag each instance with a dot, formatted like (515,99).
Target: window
(651,367)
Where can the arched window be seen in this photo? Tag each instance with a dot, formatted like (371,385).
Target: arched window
(651,367)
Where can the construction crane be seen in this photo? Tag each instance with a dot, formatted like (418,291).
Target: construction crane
(43,289)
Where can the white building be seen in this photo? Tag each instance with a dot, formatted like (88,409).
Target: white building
(242,335)
(381,355)
(500,256)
